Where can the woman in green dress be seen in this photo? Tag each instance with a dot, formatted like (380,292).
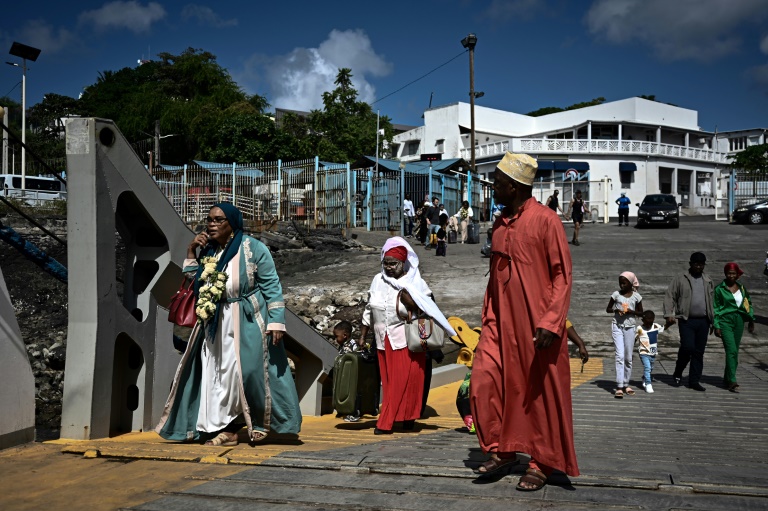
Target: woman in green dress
(732,308)
(234,372)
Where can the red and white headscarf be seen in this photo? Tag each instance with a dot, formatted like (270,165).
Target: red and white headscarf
(412,281)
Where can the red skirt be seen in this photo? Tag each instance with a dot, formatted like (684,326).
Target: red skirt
(402,382)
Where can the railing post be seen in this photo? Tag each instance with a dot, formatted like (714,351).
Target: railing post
(349,199)
(234,200)
(731,193)
(280,189)
(369,201)
(469,187)
(402,199)
(185,196)
(314,204)
(605,199)
(430,182)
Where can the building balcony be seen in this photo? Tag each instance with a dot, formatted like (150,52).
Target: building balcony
(596,147)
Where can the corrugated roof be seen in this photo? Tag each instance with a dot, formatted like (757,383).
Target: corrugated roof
(226,168)
(417,167)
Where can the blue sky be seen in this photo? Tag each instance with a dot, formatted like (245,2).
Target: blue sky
(707,55)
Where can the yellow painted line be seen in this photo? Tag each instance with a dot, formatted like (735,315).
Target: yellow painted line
(317,433)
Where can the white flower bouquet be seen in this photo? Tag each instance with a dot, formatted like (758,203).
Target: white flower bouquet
(213,284)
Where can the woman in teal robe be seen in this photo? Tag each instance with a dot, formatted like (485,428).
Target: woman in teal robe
(235,370)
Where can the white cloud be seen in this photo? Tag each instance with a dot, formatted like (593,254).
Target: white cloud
(764,45)
(205,16)
(39,34)
(130,15)
(703,30)
(504,10)
(297,80)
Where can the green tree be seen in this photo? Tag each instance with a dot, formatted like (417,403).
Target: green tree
(344,130)
(752,159)
(188,93)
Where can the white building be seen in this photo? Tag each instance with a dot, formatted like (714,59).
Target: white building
(633,145)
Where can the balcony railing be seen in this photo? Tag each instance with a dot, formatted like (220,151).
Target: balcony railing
(583,147)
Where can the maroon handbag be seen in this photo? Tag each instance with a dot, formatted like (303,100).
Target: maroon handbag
(181,310)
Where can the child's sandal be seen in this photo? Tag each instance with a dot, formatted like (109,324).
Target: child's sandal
(629,391)
(618,394)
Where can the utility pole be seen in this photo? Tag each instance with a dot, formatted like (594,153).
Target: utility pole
(157,142)
(469,42)
(4,115)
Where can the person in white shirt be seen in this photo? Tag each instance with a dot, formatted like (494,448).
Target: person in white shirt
(408,214)
(465,216)
(647,336)
(399,288)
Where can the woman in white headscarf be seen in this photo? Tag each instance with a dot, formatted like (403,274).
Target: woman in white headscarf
(402,371)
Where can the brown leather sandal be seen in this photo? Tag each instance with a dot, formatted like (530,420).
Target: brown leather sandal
(222,440)
(494,464)
(536,478)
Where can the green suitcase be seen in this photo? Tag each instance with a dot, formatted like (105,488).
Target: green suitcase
(355,385)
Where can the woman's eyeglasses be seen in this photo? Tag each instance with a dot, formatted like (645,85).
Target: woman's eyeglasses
(218,220)
(391,264)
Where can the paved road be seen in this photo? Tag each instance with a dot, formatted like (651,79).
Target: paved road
(674,449)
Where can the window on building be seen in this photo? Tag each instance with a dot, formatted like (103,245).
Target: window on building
(737,143)
(394,150)
(412,148)
(440,145)
(626,178)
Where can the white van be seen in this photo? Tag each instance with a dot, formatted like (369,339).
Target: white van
(37,187)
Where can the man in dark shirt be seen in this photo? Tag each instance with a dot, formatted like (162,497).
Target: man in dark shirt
(688,302)
(553,202)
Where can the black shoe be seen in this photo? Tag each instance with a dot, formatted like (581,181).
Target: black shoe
(378,431)
(678,380)
(409,425)
(696,386)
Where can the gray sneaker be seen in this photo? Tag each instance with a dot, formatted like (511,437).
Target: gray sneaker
(351,418)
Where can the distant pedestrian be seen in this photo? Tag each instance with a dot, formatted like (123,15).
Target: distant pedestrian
(647,336)
(576,209)
(442,242)
(688,302)
(408,215)
(732,307)
(433,222)
(623,203)
(444,216)
(625,304)
(421,216)
(464,215)
(553,202)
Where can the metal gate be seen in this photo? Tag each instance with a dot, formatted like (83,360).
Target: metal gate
(377,201)
(331,196)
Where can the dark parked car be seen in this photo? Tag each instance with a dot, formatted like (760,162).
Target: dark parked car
(752,214)
(659,209)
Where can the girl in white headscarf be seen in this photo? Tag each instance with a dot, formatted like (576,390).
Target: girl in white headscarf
(402,371)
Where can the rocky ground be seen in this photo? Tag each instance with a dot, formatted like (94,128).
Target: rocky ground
(40,301)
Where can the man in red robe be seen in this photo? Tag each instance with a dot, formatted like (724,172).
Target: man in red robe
(520,391)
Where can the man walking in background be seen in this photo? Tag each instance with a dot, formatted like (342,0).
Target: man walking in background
(688,302)
(408,214)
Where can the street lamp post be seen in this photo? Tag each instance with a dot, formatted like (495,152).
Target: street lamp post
(469,42)
(25,53)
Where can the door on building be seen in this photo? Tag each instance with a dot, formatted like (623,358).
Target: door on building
(684,187)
